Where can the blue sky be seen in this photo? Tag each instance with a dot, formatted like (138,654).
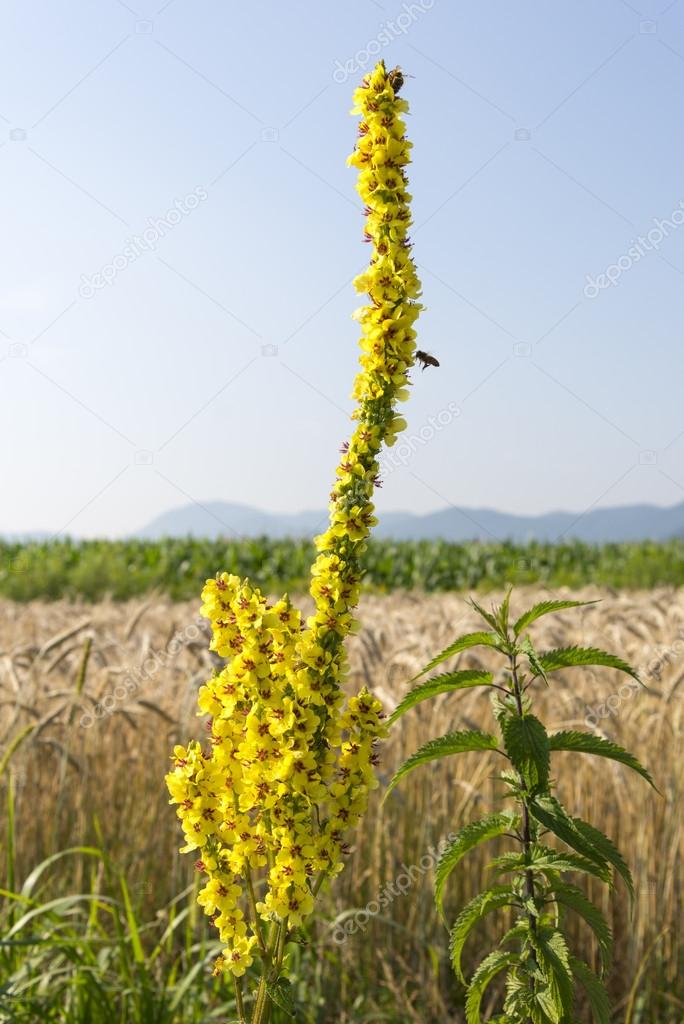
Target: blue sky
(214,358)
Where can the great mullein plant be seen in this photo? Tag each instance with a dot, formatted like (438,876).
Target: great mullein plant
(532,883)
(289,764)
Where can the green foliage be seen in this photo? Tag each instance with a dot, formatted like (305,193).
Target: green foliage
(527,746)
(488,969)
(544,608)
(467,839)
(452,743)
(86,957)
(479,639)
(484,903)
(542,974)
(588,743)
(445,683)
(177,566)
(568,657)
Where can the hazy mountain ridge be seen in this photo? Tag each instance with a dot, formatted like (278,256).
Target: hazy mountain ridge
(603,525)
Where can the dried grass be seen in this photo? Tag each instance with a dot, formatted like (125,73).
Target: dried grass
(103,782)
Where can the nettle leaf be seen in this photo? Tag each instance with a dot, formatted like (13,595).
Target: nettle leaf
(550,862)
(520,930)
(544,608)
(479,639)
(504,610)
(444,683)
(488,969)
(606,849)
(574,899)
(528,648)
(527,745)
(489,617)
(546,1000)
(467,839)
(491,899)
(582,837)
(589,743)
(554,960)
(507,862)
(567,657)
(553,816)
(452,743)
(598,997)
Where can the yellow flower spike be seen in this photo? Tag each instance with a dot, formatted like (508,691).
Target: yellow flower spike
(288,765)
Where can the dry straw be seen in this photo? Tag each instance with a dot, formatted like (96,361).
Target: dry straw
(98,755)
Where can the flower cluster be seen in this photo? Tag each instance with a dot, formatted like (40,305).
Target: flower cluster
(290,760)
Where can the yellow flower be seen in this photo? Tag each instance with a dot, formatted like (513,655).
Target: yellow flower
(237,957)
(290,759)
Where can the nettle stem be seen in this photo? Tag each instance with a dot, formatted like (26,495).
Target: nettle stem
(543,972)
(526,825)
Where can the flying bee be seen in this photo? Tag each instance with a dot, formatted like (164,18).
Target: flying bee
(425,360)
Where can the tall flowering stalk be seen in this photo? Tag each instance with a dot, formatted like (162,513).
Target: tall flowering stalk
(290,761)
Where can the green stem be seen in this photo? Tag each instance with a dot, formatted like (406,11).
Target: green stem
(253,908)
(280,949)
(261,997)
(318,883)
(239,1003)
(526,827)
(262,1003)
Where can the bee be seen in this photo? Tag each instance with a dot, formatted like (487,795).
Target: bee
(425,360)
(396,78)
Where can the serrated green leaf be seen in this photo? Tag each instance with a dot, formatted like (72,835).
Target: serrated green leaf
(528,648)
(568,657)
(510,861)
(554,961)
(479,639)
(589,743)
(444,683)
(544,608)
(549,862)
(452,743)
(549,813)
(520,930)
(504,611)
(574,899)
(527,745)
(467,839)
(491,899)
(488,969)
(489,617)
(606,849)
(598,997)
(546,1001)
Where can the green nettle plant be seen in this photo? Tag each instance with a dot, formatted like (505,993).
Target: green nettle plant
(542,973)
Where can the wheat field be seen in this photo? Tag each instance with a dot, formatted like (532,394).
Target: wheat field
(93,697)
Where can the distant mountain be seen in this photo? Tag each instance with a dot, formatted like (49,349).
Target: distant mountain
(603,525)
(222,519)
